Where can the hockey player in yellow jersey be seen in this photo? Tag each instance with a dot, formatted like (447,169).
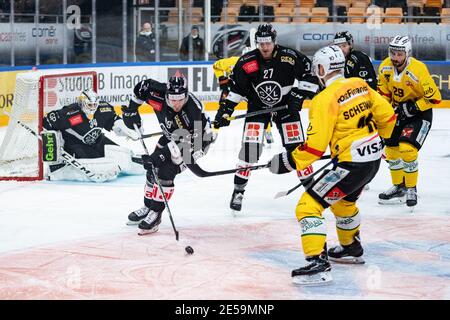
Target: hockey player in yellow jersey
(348,117)
(406,83)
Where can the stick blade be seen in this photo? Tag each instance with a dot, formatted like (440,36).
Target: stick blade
(281,194)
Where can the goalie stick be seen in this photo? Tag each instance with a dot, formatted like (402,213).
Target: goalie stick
(69,159)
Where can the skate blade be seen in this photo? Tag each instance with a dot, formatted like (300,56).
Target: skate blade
(392,202)
(143,232)
(348,260)
(317,279)
(133,223)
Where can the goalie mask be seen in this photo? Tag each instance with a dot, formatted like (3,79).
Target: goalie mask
(177,91)
(88,101)
(331,59)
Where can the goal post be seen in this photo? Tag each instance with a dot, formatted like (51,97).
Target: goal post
(36,93)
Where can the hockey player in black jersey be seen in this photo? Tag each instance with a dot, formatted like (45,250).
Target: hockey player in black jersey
(77,128)
(187,135)
(268,77)
(357,63)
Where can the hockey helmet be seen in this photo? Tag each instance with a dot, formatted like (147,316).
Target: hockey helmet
(342,37)
(331,58)
(265,33)
(177,89)
(88,101)
(401,43)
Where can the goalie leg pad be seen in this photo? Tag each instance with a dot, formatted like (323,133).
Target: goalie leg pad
(52,144)
(104,171)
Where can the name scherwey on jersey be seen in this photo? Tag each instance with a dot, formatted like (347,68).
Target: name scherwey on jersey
(347,120)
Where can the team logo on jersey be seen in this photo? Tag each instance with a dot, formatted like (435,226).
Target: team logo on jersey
(92,136)
(288,60)
(350,63)
(269,92)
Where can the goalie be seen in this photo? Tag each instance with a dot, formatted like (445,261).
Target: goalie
(76,131)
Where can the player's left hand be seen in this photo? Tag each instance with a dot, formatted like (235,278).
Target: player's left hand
(281,163)
(156,160)
(295,100)
(407,110)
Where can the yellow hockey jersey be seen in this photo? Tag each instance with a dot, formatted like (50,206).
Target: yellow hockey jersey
(223,67)
(349,117)
(413,83)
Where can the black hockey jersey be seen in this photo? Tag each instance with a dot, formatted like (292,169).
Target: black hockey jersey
(188,125)
(77,128)
(267,83)
(359,65)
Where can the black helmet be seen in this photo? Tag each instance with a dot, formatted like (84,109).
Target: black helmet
(343,36)
(176,87)
(265,31)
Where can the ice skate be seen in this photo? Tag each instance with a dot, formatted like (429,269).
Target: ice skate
(136,216)
(351,254)
(393,196)
(316,273)
(150,224)
(236,200)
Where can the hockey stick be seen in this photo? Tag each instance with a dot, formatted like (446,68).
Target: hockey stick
(69,159)
(199,172)
(256,113)
(145,136)
(155,176)
(285,193)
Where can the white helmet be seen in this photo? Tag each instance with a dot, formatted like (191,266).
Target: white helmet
(331,58)
(401,43)
(88,101)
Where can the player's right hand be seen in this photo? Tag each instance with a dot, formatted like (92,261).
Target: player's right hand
(131,118)
(221,119)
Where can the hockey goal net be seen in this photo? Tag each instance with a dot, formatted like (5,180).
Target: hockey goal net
(36,93)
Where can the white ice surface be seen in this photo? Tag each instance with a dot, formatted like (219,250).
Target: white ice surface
(59,215)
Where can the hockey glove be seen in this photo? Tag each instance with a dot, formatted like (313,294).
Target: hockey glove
(221,116)
(281,163)
(407,110)
(131,117)
(223,83)
(305,176)
(295,100)
(157,159)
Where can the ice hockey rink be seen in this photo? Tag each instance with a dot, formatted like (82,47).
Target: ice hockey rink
(69,240)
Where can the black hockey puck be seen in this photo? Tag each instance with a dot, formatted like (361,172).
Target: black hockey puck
(189,250)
